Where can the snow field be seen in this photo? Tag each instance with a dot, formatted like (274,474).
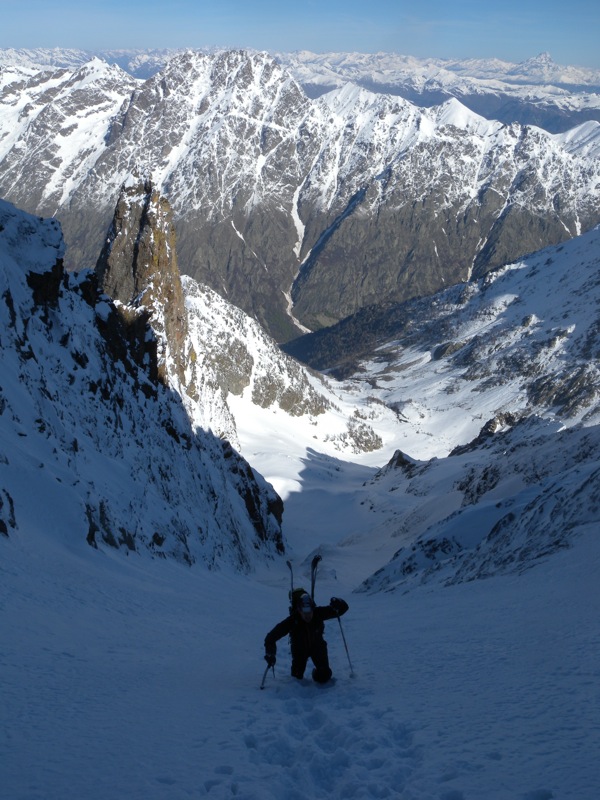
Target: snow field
(133,679)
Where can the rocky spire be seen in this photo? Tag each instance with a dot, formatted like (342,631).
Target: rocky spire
(138,270)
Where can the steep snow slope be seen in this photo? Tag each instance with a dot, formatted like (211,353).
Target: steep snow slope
(524,339)
(139,680)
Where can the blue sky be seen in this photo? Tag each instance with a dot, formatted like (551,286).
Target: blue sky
(513,30)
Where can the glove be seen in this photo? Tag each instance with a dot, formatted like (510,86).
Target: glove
(270,659)
(339,606)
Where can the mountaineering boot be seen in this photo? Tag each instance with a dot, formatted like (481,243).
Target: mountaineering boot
(321,675)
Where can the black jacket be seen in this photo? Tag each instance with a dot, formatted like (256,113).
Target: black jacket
(304,636)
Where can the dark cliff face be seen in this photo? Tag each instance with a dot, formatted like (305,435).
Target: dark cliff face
(138,269)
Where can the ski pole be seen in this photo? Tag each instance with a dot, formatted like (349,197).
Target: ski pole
(262,685)
(346,646)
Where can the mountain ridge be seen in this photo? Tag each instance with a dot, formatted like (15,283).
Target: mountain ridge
(507,328)
(534,92)
(299,211)
(86,429)
(536,70)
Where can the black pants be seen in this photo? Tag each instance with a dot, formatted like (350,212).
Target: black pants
(318,654)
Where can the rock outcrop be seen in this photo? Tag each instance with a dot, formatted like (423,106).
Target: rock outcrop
(138,270)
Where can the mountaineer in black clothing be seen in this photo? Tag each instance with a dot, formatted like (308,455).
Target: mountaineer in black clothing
(305,626)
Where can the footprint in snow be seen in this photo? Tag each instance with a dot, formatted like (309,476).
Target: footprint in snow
(331,742)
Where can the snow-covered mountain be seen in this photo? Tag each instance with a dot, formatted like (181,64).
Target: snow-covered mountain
(395,70)
(94,447)
(455,383)
(140,63)
(299,211)
(515,497)
(497,388)
(537,91)
(523,339)
(534,92)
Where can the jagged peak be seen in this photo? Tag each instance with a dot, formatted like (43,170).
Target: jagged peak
(229,58)
(348,98)
(138,267)
(542,59)
(98,67)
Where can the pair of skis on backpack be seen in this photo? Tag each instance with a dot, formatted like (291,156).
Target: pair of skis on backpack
(314,564)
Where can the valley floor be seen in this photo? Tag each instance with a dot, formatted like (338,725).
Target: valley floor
(128,679)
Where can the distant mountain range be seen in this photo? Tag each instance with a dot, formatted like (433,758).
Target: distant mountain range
(536,91)
(300,211)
